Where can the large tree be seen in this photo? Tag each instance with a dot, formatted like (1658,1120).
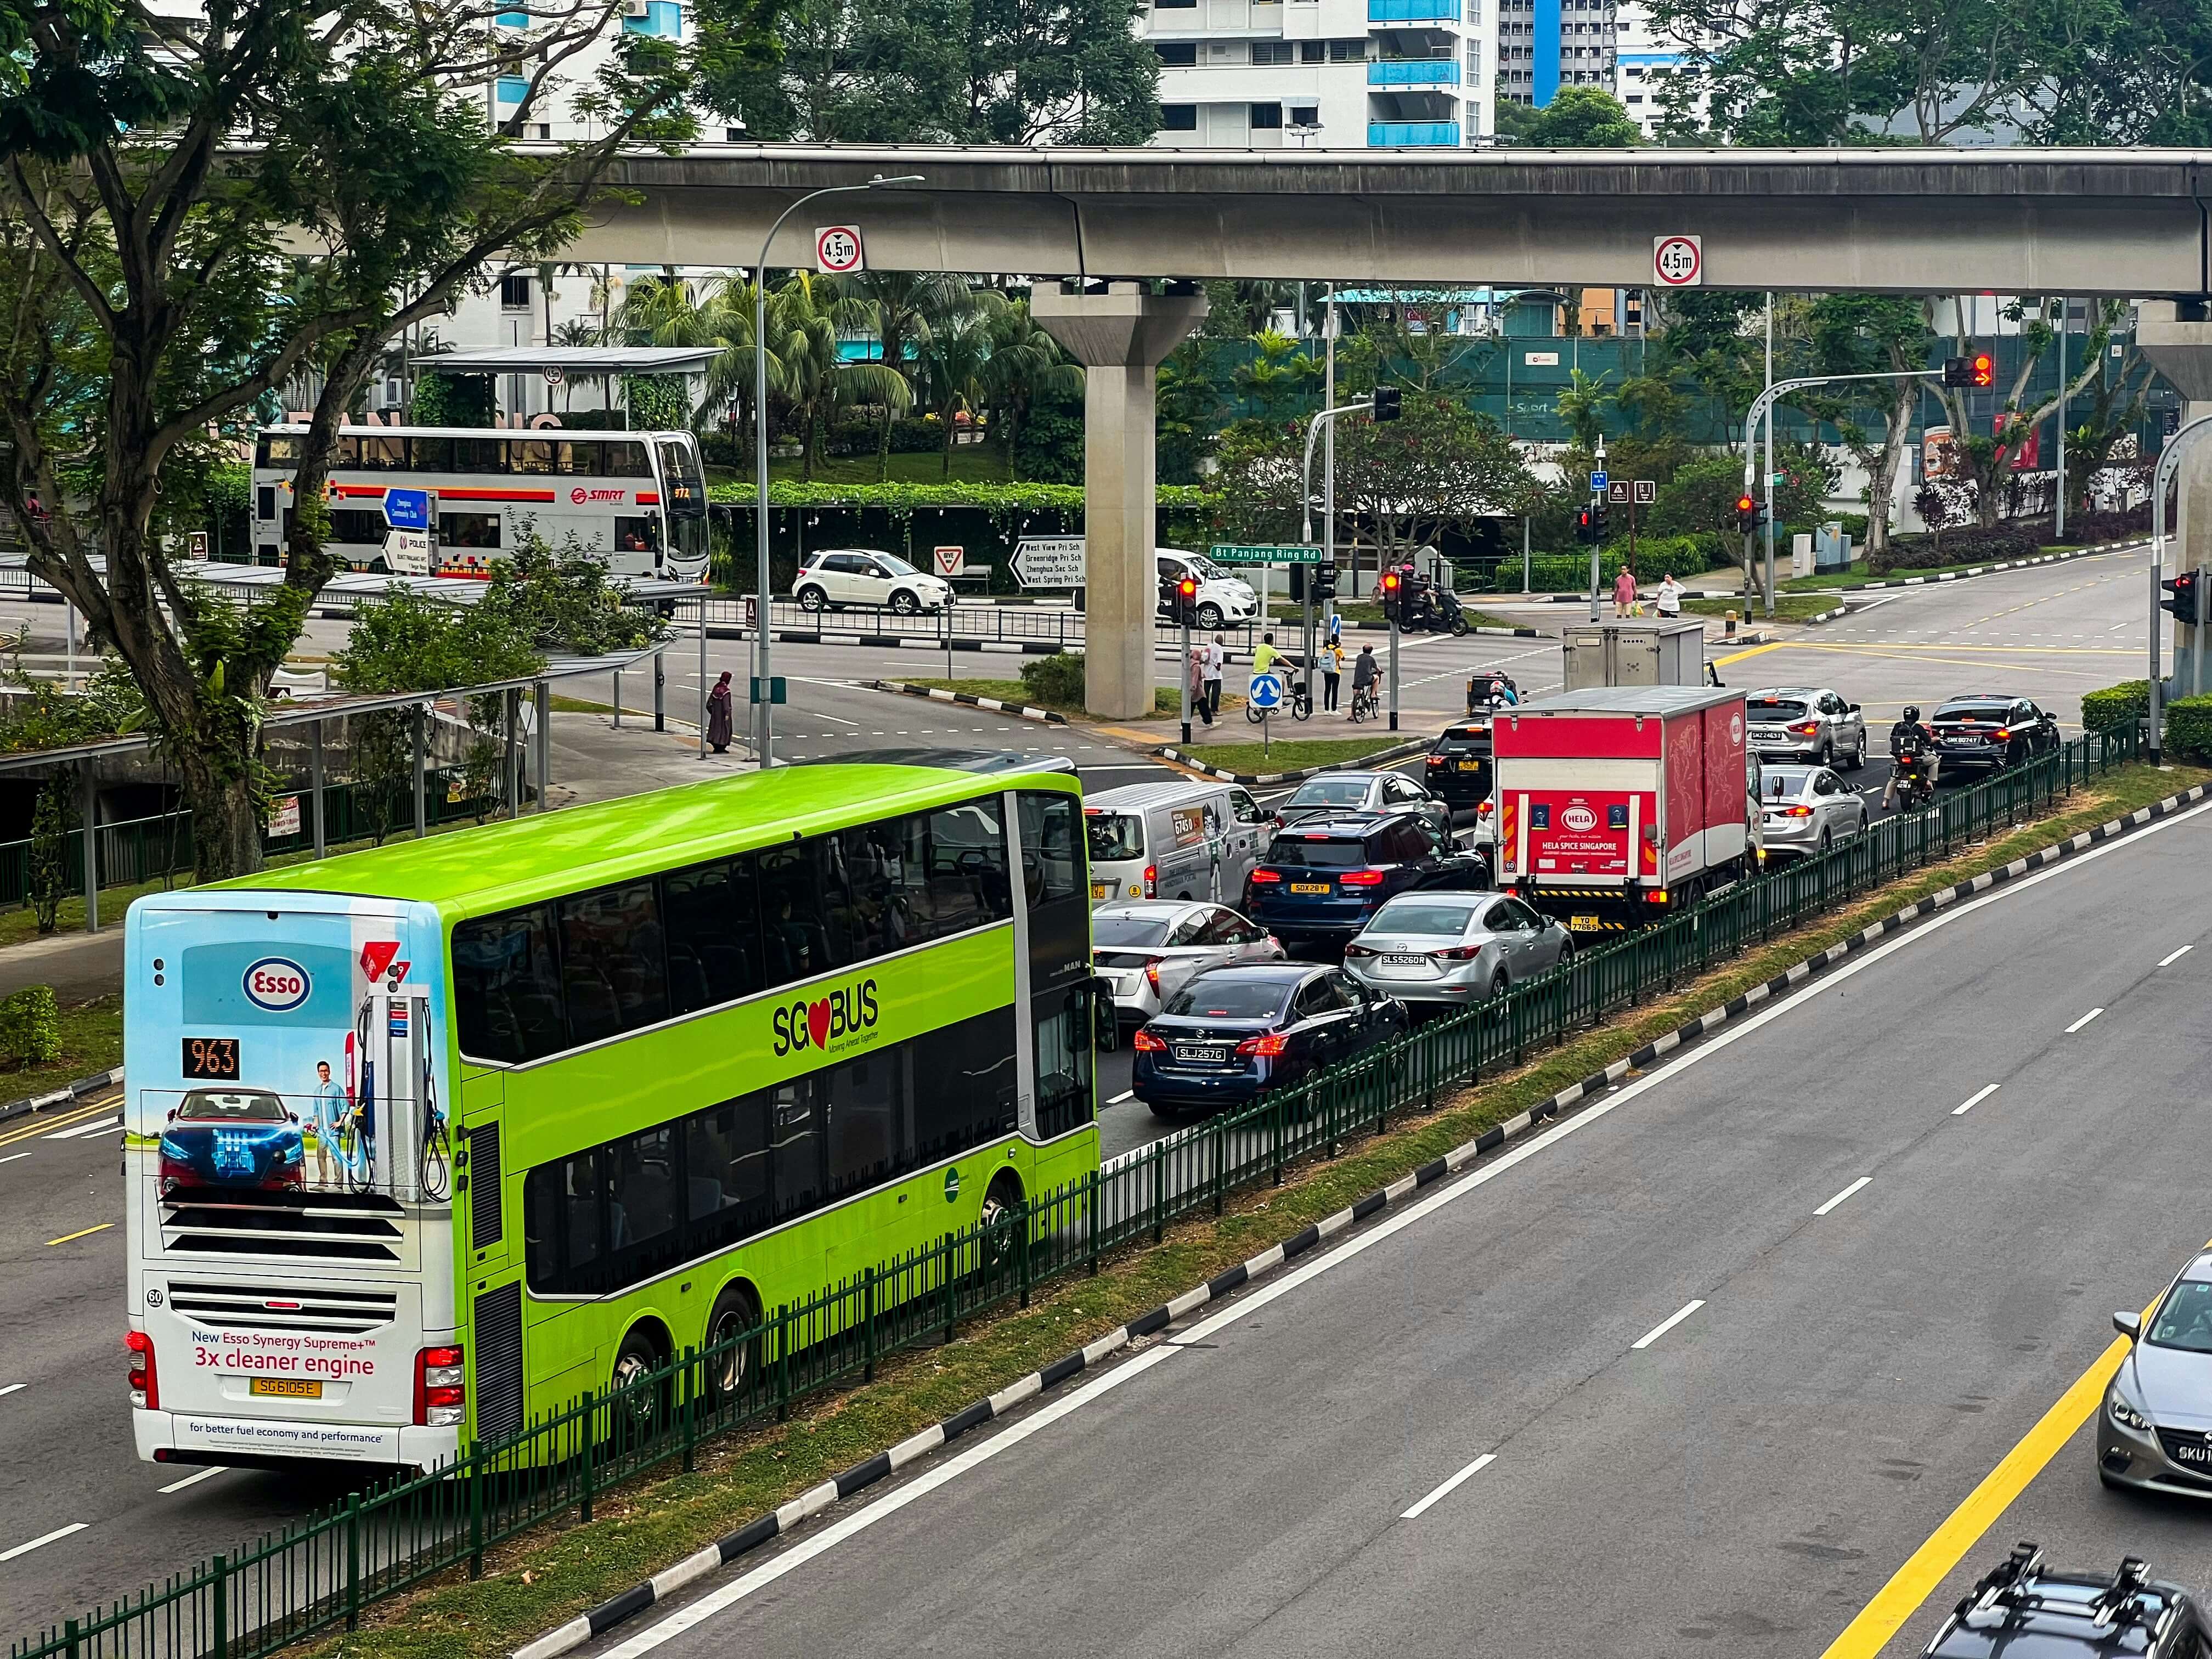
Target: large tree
(1871,334)
(197,210)
(1984,462)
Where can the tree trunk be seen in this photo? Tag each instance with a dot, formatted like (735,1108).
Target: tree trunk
(1881,484)
(226,821)
(945,458)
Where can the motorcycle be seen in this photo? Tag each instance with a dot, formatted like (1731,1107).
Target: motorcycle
(1431,609)
(1487,693)
(1915,793)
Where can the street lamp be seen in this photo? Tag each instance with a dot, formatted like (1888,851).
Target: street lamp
(1596,495)
(763,733)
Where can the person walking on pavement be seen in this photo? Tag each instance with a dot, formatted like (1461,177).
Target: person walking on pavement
(1624,593)
(1194,671)
(1216,658)
(1332,671)
(718,715)
(1669,596)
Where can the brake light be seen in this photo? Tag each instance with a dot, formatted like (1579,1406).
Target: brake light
(1145,1043)
(1795,812)
(1435,760)
(1263,876)
(2002,734)
(1805,728)
(1362,878)
(1152,973)
(145,1383)
(1657,895)
(1482,809)
(441,1391)
(1271,1044)
(1351,950)
(1152,880)
(1458,953)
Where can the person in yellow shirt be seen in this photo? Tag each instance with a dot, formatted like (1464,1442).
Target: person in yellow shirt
(1265,656)
(1332,667)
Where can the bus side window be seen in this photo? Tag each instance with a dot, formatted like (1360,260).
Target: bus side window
(430,455)
(963,1086)
(506,987)
(638,535)
(796,1149)
(479,455)
(562,1222)
(624,460)
(530,454)
(726,1173)
(613,972)
(714,935)
(641,1202)
(861,1100)
(794,922)
(1052,852)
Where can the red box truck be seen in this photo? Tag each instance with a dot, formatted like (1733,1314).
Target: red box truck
(1619,805)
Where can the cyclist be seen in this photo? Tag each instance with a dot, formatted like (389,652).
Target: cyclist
(1366,679)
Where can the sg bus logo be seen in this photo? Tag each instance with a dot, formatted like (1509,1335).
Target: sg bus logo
(818,1023)
(278,984)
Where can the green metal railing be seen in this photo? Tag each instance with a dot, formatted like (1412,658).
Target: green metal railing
(321,1573)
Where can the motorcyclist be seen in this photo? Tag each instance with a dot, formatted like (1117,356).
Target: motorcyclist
(1492,689)
(1910,739)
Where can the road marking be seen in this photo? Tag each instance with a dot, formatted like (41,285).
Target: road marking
(1861,1182)
(2168,962)
(58,1532)
(1668,1323)
(1448,1486)
(1976,1098)
(2080,1022)
(194,1480)
(1126,1094)
(1755,651)
(87,1233)
(14,1388)
(33,1131)
(12,1157)
(86,1129)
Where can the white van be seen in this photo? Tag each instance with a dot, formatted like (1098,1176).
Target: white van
(1187,839)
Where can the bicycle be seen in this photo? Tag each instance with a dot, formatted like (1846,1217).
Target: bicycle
(1366,705)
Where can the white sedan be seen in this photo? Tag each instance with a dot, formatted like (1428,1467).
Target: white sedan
(1148,948)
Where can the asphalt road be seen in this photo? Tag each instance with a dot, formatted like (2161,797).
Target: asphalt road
(1693,1373)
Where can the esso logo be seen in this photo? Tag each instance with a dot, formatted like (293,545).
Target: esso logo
(1578,818)
(278,984)
(578,496)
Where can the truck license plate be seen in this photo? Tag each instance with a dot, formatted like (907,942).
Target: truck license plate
(1583,924)
(287,1387)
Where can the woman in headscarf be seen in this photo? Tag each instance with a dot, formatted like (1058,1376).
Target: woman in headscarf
(718,715)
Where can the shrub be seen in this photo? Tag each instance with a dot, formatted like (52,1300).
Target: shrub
(52,818)
(30,1027)
(2090,528)
(2189,729)
(1960,546)
(2115,706)
(1055,681)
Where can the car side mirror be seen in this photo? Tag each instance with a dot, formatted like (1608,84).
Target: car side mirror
(1854,708)
(2129,1324)
(173,1115)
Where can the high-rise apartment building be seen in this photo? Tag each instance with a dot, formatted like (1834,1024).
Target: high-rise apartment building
(1646,60)
(1545,45)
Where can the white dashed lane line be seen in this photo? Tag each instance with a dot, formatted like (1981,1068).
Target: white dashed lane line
(1976,1099)
(1668,1324)
(39,1542)
(2163,962)
(1448,1486)
(194,1480)
(2080,1022)
(1861,1182)
(13,1388)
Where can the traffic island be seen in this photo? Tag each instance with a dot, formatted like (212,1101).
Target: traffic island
(1291,761)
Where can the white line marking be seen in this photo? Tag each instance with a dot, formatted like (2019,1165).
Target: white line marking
(58,1532)
(1846,1192)
(1669,1323)
(2080,1022)
(1126,1094)
(1976,1098)
(12,1157)
(14,1388)
(1448,1486)
(2167,962)
(194,1480)
(86,1129)
(1479,1176)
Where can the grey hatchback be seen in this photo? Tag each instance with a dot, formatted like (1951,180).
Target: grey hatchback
(2155,1431)
(1455,948)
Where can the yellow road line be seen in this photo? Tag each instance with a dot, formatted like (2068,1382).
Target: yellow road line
(87,1233)
(39,1124)
(1992,650)
(1755,651)
(1929,1565)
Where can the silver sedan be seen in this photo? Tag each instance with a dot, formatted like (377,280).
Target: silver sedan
(1806,809)
(1445,947)
(2155,1431)
(1150,948)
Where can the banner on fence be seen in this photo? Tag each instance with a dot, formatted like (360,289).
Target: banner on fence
(285,819)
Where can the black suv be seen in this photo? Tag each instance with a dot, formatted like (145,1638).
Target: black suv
(1324,879)
(2022,1606)
(1458,769)
(1991,729)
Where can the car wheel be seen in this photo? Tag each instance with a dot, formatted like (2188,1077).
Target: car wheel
(813,598)
(1498,985)
(1827,841)
(1858,754)
(1863,820)
(1209,616)
(1828,753)
(904,604)
(1164,1112)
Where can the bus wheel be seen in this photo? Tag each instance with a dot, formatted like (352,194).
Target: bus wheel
(730,1369)
(634,1415)
(1000,1201)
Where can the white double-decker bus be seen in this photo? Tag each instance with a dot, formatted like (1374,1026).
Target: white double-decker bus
(636,499)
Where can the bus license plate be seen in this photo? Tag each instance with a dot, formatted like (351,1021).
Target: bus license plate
(1583,924)
(1099,889)
(287,1388)
(1309,887)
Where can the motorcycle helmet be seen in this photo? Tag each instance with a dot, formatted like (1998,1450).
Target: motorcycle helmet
(1912,713)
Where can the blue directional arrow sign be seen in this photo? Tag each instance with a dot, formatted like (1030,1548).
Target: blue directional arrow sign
(407,509)
(1597,483)
(1266,692)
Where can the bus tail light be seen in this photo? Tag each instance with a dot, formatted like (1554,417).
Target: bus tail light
(1151,881)
(440,1393)
(145,1382)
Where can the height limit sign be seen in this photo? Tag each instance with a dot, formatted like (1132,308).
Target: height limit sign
(837,251)
(1678,261)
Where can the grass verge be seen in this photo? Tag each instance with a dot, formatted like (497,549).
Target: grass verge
(543,1578)
(1294,754)
(1856,574)
(92,1040)
(1167,703)
(1788,607)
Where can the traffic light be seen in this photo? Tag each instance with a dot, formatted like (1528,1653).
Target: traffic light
(1979,370)
(2184,602)
(1386,402)
(1186,601)
(1746,513)
(1324,583)
(1586,525)
(1599,528)
(1392,583)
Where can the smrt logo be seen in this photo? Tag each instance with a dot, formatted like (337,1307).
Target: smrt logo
(276,983)
(1578,818)
(580,495)
(818,1023)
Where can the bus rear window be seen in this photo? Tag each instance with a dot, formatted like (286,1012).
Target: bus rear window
(278,449)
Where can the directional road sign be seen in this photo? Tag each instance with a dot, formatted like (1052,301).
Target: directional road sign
(1597,483)
(1266,692)
(407,552)
(1265,553)
(1048,562)
(407,509)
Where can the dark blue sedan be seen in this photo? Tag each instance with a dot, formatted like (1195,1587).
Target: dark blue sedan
(232,1137)
(1232,1033)
(1322,881)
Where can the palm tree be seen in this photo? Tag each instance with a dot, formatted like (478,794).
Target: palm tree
(1026,363)
(906,303)
(809,315)
(952,361)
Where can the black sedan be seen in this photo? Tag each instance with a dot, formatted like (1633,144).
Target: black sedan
(1992,732)
(1233,1033)
(1457,767)
(1333,793)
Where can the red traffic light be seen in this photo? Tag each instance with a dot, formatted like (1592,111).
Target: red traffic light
(1187,587)
(1745,504)
(1984,369)
(1391,578)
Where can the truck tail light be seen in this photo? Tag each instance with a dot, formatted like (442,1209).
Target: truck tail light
(145,1382)
(1152,880)
(1657,895)
(1271,1044)
(440,1395)
(1361,879)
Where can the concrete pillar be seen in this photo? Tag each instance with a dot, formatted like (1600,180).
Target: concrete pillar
(1119,337)
(2181,350)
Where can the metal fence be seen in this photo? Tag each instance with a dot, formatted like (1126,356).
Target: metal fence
(321,1572)
(1013,627)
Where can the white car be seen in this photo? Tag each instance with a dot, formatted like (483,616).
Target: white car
(1149,949)
(1223,599)
(834,577)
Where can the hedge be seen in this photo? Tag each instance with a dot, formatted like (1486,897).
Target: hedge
(2115,706)
(1970,546)
(1569,573)
(30,1030)
(2189,729)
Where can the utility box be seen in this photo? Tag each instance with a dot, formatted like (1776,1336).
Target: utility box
(1832,548)
(1801,554)
(1634,651)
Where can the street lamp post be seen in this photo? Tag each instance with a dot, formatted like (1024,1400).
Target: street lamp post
(1326,421)
(1597,496)
(763,732)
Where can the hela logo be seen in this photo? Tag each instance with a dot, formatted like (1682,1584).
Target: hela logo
(1578,818)
(278,984)
(818,1023)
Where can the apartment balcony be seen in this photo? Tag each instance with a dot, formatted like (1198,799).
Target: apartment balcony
(1413,11)
(1414,72)
(1412,134)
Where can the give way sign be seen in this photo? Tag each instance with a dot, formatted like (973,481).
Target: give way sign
(1678,261)
(837,251)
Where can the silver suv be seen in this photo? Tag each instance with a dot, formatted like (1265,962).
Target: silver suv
(1804,723)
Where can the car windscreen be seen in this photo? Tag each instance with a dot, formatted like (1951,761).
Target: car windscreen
(1782,783)
(1115,836)
(1226,996)
(1423,916)
(897,566)
(1987,714)
(1330,792)
(1775,708)
(2184,1319)
(1318,851)
(231,1106)
(1130,930)
(1204,567)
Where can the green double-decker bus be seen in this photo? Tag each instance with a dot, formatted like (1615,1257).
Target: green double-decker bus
(430,1140)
